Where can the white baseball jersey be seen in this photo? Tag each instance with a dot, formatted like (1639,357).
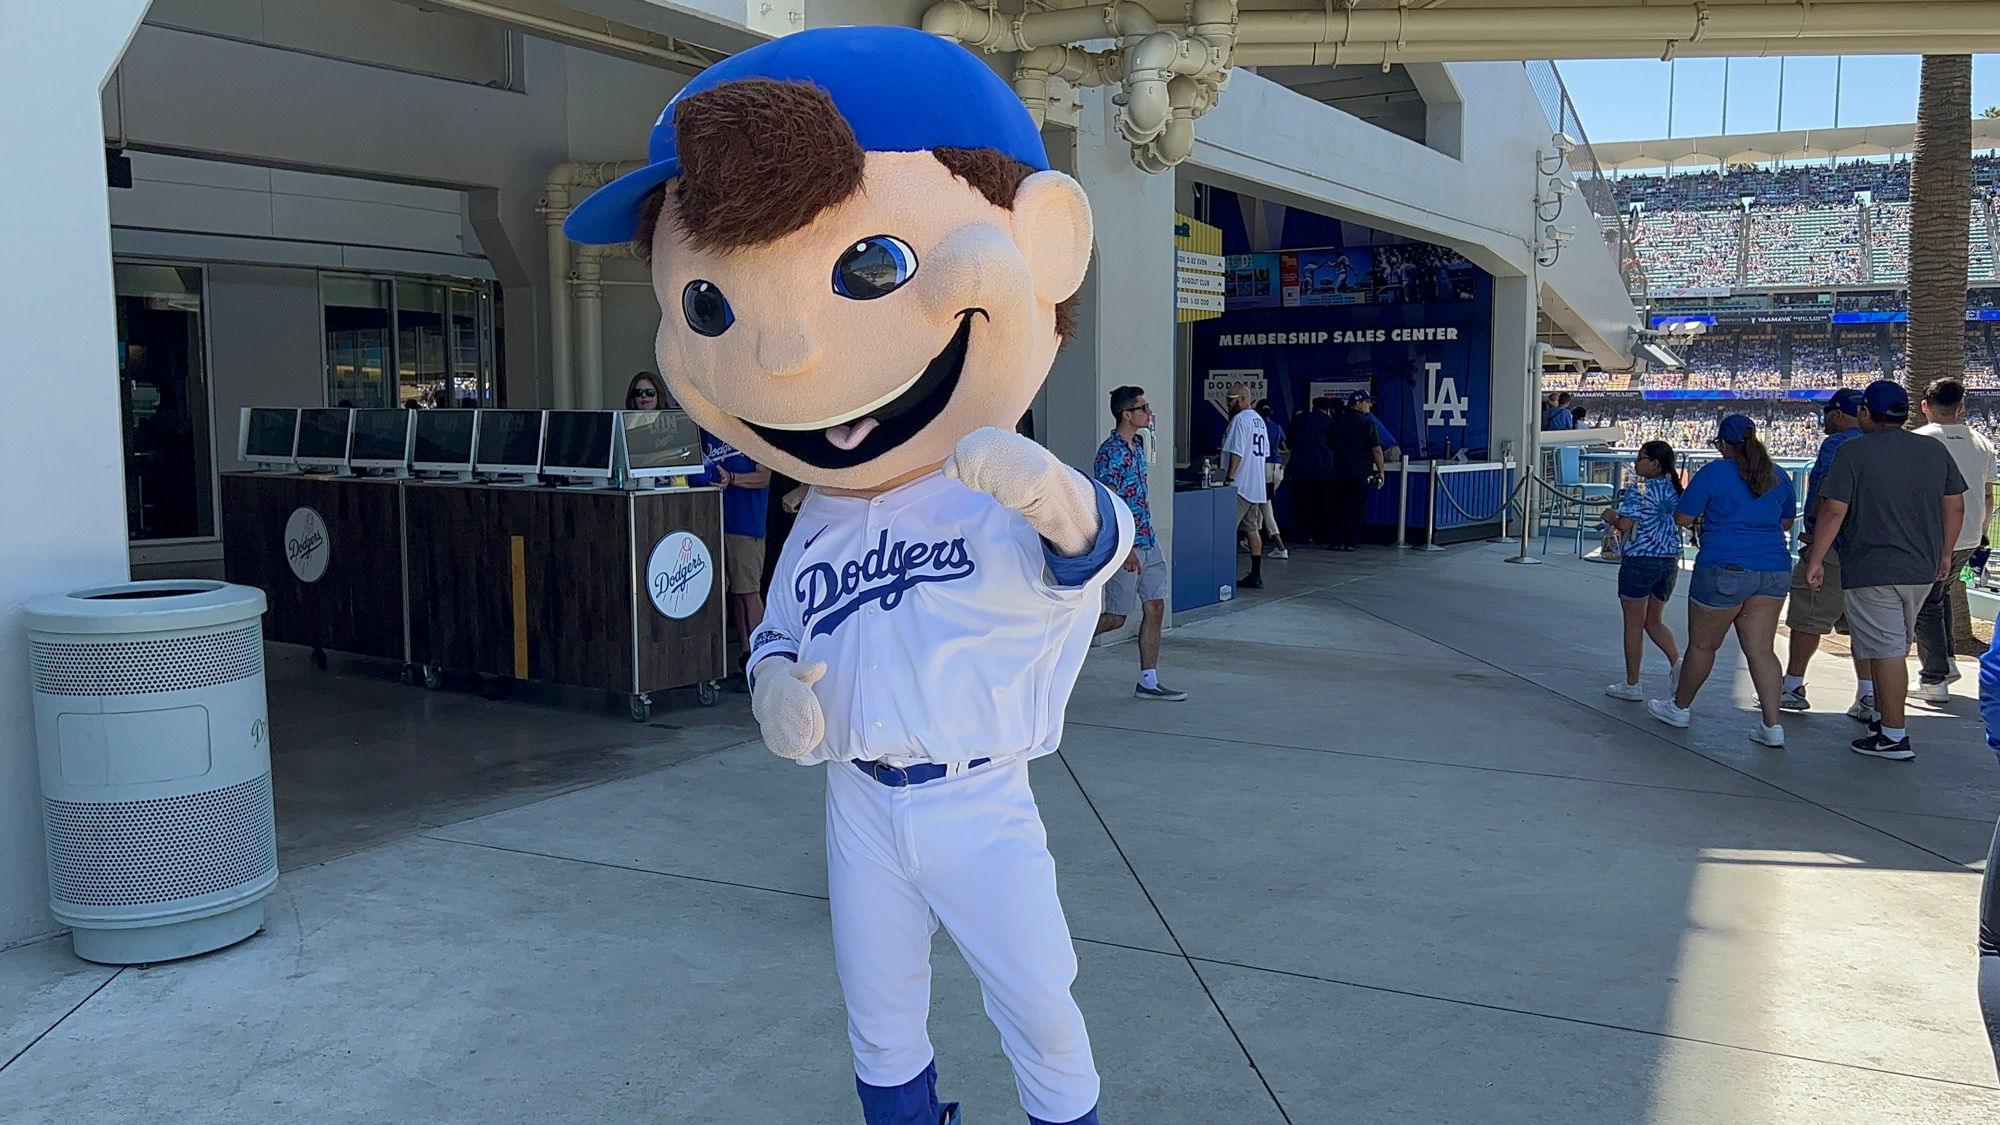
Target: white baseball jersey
(949,629)
(1248,439)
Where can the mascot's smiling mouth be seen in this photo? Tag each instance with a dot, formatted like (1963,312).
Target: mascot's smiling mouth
(861,439)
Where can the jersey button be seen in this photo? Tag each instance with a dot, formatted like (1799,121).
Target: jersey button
(871,665)
(878,726)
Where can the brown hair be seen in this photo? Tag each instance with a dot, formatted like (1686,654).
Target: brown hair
(761,159)
(1753,463)
(659,389)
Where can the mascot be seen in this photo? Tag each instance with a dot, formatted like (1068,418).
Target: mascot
(865,269)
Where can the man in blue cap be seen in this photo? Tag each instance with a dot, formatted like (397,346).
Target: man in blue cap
(865,269)
(1815,613)
(1894,500)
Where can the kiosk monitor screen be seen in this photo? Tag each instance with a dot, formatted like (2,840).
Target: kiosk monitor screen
(660,443)
(323,436)
(510,441)
(444,441)
(381,439)
(268,433)
(578,443)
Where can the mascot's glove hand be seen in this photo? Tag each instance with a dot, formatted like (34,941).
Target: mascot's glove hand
(1057,501)
(786,708)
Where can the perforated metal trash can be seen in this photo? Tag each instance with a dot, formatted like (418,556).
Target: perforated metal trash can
(156,766)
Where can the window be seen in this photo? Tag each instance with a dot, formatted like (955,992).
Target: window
(408,341)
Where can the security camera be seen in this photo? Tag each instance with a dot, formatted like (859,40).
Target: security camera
(1564,143)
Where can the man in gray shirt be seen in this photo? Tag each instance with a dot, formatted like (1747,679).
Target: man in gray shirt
(1894,500)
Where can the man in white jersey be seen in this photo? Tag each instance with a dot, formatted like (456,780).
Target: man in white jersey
(1245,446)
(1944,408)
(865,269)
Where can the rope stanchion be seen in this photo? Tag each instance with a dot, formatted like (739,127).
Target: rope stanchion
(1431,531)
(1403,505)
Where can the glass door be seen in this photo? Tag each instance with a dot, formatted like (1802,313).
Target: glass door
(472,345)
(423,369)
(357,311)
(163,389)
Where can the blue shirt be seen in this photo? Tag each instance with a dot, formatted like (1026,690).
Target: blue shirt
(1277,435)
(1650,506)
(1382,431)
(1560,419)
(1989,695)
(1821,466)
(1120,468)
(743,509)
(1738,529)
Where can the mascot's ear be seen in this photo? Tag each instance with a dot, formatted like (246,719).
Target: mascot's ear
(1052,227)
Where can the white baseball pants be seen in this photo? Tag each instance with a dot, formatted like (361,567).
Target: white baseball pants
(969,851)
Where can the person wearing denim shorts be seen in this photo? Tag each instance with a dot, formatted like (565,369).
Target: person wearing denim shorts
(1649,561)
(1745,504)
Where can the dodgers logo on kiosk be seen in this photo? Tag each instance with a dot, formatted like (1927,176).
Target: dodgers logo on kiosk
(306,546)
(679,574)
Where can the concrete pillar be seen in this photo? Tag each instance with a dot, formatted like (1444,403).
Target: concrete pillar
(1517,393)
(1126,331)
(65,518)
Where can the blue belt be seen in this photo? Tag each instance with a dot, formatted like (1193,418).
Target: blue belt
(896,777)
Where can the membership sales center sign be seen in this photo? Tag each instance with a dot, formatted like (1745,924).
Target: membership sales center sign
(679,574)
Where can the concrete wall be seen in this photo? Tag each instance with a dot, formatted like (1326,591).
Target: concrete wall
(1264,140)
(59,384)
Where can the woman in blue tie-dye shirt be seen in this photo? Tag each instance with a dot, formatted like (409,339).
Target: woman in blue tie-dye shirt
(1650,554)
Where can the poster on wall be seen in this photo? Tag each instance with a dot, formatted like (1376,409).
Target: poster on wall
(1215,388)
(1252,281)
(1419,273)
(1338,388)
(1335,277)
(1288,279)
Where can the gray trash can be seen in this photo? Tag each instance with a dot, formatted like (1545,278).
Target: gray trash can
(156,766)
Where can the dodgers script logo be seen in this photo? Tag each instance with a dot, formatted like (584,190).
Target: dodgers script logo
(829,595)
(679,574)
(306,547)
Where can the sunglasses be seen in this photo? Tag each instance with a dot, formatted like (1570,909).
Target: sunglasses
(645,392)
(1142,408)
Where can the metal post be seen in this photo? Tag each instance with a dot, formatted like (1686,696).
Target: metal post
(1431,533)
(1507,490)
(1403,504)
(1527,521)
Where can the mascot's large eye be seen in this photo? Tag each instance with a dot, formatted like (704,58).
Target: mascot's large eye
(706,309)
(874,267)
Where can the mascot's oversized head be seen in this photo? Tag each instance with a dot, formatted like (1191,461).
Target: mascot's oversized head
(860,253)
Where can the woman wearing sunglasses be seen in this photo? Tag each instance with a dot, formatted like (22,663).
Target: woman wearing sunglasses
(643,393)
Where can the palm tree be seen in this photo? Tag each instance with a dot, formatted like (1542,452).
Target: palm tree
(1940,226)
(1940,221)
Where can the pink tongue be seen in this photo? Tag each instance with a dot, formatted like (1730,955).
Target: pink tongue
(849,435)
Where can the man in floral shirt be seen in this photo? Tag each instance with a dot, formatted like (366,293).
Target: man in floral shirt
(1121,467)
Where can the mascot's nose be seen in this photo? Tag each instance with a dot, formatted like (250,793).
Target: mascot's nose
(787,350)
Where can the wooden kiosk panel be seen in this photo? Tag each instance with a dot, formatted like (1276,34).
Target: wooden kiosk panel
(349,543)
(543,584)
(674,652)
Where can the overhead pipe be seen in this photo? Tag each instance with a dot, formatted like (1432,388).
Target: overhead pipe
(588,292)
(1073,65)
(986,29)
(1555,26)
(558,195)
(1376,54)
(1175,142)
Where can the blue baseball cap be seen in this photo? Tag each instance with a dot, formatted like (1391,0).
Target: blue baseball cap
(1360,397)
(1735,428)
(1886,398)
(1847,400)
(900,89)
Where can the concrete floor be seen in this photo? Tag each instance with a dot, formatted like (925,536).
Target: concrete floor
(1398,859)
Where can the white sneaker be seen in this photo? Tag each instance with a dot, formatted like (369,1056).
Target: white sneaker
(1794,699)
(1665,711)
(1280,553)
(1864,711)
(1932,693)
(1630,693)
(1954,675)
(1774,737)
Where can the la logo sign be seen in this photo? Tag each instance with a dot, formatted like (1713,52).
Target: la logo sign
(1443,404)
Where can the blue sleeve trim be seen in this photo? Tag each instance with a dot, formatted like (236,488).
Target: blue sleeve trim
(1070,573)
(1989,695)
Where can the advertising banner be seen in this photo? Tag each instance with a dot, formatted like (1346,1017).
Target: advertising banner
(1335,277)
(1251,281)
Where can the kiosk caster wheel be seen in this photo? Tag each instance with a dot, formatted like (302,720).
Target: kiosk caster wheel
(408,676)
(707,693)
(433,677)
(319,659)
(642,707)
